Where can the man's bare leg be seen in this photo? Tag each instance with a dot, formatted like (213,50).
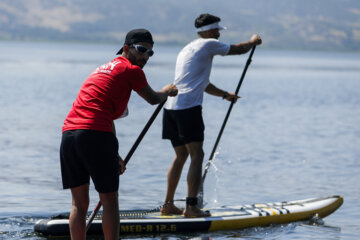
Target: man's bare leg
(194,178)
(111,219)
(173,178)
(80,204)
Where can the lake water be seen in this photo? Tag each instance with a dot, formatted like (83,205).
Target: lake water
(295,134)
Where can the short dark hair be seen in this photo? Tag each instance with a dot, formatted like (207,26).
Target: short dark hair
(206,19)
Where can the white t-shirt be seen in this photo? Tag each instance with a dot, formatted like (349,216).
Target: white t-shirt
(192,71)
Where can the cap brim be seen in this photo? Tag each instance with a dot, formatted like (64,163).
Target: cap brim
(120,51)
(208,27)
(222,28)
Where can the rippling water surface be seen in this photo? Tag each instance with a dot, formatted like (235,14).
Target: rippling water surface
(294,134)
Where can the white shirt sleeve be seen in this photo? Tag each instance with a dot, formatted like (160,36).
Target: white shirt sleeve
(215,47)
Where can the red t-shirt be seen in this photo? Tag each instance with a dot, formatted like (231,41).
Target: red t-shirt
(104,95)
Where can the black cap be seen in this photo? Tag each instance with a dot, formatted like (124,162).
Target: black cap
(136,36)
(206,19)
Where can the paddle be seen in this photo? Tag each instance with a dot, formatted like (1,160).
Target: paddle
(128,156)
(201,189)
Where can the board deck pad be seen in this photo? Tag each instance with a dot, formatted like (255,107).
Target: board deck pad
(222,218)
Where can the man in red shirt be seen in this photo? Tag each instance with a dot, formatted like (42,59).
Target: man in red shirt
(89,147)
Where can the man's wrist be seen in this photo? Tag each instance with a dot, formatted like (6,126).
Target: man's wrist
(225,95)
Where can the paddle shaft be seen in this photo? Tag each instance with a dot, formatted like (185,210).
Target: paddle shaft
(143,132)
(201,190)
(128,156)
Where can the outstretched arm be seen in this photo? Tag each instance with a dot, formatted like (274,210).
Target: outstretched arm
(213,90)
(244,47)
(155,97)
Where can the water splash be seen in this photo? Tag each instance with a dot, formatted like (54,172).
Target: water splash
(316,220)
(216,173)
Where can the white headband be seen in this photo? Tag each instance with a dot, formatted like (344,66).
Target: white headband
(209,27)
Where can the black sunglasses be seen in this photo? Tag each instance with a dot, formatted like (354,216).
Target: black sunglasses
(142,49)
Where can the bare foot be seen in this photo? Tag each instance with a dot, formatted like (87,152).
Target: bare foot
(194,211)
(170,209)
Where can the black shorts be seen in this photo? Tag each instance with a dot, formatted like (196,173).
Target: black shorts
(183,126)
(90,153)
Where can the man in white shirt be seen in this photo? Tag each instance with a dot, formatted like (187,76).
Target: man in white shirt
(182,121)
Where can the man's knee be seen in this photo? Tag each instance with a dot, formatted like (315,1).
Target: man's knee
(181,154)
(201,154)
(182,158)
(197,154)
(109,198)
(80,208)
(195,149)
(80,199)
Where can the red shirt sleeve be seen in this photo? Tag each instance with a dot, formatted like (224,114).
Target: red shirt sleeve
(137,78)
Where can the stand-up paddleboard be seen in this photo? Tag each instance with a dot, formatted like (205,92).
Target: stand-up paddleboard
(222,218)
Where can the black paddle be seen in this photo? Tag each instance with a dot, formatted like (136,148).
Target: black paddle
(128,156)
(201,189)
